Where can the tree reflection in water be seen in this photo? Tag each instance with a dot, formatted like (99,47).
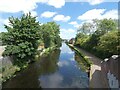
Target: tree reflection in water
(30,76)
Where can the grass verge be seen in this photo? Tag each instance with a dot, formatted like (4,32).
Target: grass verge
(89,63)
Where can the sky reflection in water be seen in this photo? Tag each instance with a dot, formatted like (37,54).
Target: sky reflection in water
(68,74)
(57,70)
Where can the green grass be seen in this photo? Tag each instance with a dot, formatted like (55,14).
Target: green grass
(82,55)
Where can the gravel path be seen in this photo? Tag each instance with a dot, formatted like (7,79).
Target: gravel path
(96,77)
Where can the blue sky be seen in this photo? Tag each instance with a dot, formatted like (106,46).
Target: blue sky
(70,14)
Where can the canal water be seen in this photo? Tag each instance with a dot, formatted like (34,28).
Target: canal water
(62,68)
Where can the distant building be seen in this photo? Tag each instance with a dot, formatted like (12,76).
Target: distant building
(64,40)
(72,41)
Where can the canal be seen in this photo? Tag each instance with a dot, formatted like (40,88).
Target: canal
(62,68)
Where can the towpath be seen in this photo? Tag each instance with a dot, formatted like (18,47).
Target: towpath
(96,77)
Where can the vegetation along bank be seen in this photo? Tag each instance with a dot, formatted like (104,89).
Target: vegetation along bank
(25,39)
(100,37)
(86,61)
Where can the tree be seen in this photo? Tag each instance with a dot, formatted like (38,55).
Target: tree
(22,38)
(0,36)
(103,41)
(109,43)
(80,38)
(107,25)
(86,28)
(102,27)
(51,34)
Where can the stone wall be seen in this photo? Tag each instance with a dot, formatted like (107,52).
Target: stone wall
(7,69)
(110,70)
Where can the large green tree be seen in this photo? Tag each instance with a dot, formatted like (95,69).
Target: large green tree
(22,37)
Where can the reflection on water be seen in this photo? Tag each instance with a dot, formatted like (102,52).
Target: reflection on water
(57,70)
(81,63)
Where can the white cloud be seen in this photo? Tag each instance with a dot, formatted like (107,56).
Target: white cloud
(92,14)
(48,14)
(13,6)
(6,22)
(34,13)
(74,23)
(51,80)
(68,30)
(56,3)
(63,63)
(98,14)
(92,2)
(101,14)
(67,33)
(62,18)
(95,2)
(111,14)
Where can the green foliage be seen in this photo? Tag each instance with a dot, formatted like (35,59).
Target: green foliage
(22,37)
(80,39)
(86,60)
(107,25)
(0,36)
(85,28)
(51,36)
(103,42)
(25,34)
(108,43)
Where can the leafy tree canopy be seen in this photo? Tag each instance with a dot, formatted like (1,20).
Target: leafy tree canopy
(22,37)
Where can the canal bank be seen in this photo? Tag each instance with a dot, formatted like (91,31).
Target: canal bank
(96,79)
(59,69)
(85,59)
(88,62)
(8,70)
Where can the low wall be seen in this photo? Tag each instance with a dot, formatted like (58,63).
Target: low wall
(109,68)
(7,69)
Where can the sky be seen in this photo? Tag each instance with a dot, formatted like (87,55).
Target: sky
(69,14)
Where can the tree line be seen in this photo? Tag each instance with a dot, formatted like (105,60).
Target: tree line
(25,34)
(100,37)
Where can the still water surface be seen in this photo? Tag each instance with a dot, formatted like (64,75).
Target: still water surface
(59,69)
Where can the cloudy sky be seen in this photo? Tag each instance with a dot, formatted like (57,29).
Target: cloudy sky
(68,13)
